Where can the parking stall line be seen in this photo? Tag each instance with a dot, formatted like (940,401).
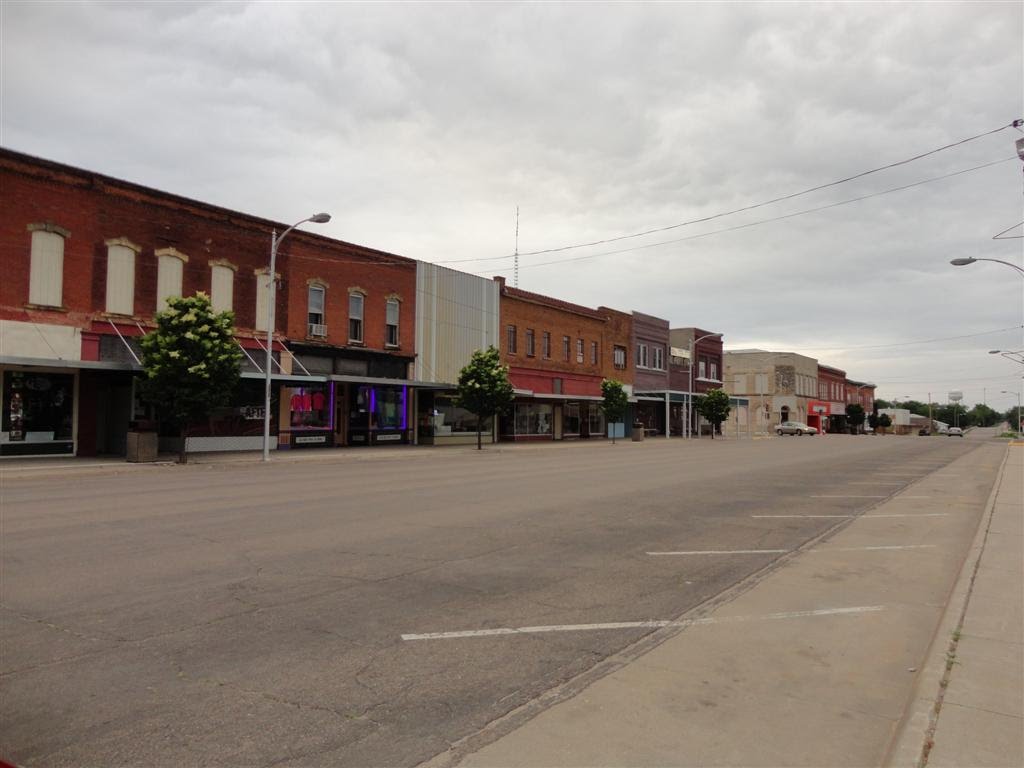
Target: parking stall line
(725,552)
(895,514)
(657,624)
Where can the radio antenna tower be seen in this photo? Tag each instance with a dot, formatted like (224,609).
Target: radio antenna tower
(515,264)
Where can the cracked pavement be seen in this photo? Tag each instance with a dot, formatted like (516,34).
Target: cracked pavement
(241,614)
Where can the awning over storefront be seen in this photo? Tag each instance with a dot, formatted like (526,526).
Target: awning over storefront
(42,362)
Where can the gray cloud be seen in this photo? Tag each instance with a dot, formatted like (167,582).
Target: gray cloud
(422,127)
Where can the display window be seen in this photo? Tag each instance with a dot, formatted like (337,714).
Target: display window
(533,419)
(439,417)
(596,421)
(308,406)
(38,412)
(378,414)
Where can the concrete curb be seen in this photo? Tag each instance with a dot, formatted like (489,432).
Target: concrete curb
(912,737)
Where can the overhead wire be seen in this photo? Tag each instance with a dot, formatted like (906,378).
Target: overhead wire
(741,226)
(750,224)
(763,203)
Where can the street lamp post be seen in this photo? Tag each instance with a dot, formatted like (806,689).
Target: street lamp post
(963,262)
(1016,355)
(275,241)
(1020,420)
(689,389)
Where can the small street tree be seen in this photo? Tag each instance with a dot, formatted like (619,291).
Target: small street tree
(484,388)
(615,402)
(191,362)
(873,422)
(884,422)
(714,407)
(855,417)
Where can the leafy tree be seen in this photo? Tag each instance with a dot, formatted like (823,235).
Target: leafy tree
(855,417)
(191,362)
(982,416)
(615,402)
(884,422)
(484,388)
(1013,417)
(873,421)
(714,407)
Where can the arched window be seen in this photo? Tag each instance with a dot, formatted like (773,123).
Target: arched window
(46,270)
(222,286)
(121,276)
(356,300)
(169,275)
(393,309)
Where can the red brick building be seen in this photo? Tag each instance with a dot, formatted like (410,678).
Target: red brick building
(88,260)
(862,393)
(558,353)
(828,412)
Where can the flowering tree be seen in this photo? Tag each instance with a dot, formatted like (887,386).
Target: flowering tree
(484,388)
(191,361)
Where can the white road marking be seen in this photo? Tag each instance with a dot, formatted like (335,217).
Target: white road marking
(641,624)
(872,549)
(723,552)
(774,516)
(849,497)
(783,551)
(873,482)
(912,514)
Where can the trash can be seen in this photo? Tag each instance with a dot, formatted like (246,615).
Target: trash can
(638,431)
(143,443)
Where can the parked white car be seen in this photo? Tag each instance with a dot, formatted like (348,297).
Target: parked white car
(795,428)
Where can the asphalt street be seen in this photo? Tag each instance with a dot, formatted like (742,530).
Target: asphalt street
(244,614)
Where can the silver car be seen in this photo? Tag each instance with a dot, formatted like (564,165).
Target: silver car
(795,428)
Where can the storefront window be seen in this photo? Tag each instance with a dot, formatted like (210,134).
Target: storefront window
(442,417)
(378,408)
(38,408)
(309,406)
(596,421)
(533,419)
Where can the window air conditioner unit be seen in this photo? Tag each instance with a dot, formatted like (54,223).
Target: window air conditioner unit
(317,329)
(579,357)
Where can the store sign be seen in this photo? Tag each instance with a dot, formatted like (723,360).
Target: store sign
(381,438)
(311,439)
(253,412)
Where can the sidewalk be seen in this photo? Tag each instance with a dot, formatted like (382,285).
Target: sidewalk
(969,707)
(821,662)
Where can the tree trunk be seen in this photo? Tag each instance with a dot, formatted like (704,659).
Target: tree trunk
(183,453)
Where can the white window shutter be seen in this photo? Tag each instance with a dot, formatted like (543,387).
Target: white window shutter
(222,288)
(120,280)
(262,287)
(168,280)
(46,278)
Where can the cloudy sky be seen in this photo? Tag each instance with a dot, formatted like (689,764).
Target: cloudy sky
(422,127)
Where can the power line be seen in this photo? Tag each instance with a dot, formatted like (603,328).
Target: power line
(752,206)
(773,219)
(905,343)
